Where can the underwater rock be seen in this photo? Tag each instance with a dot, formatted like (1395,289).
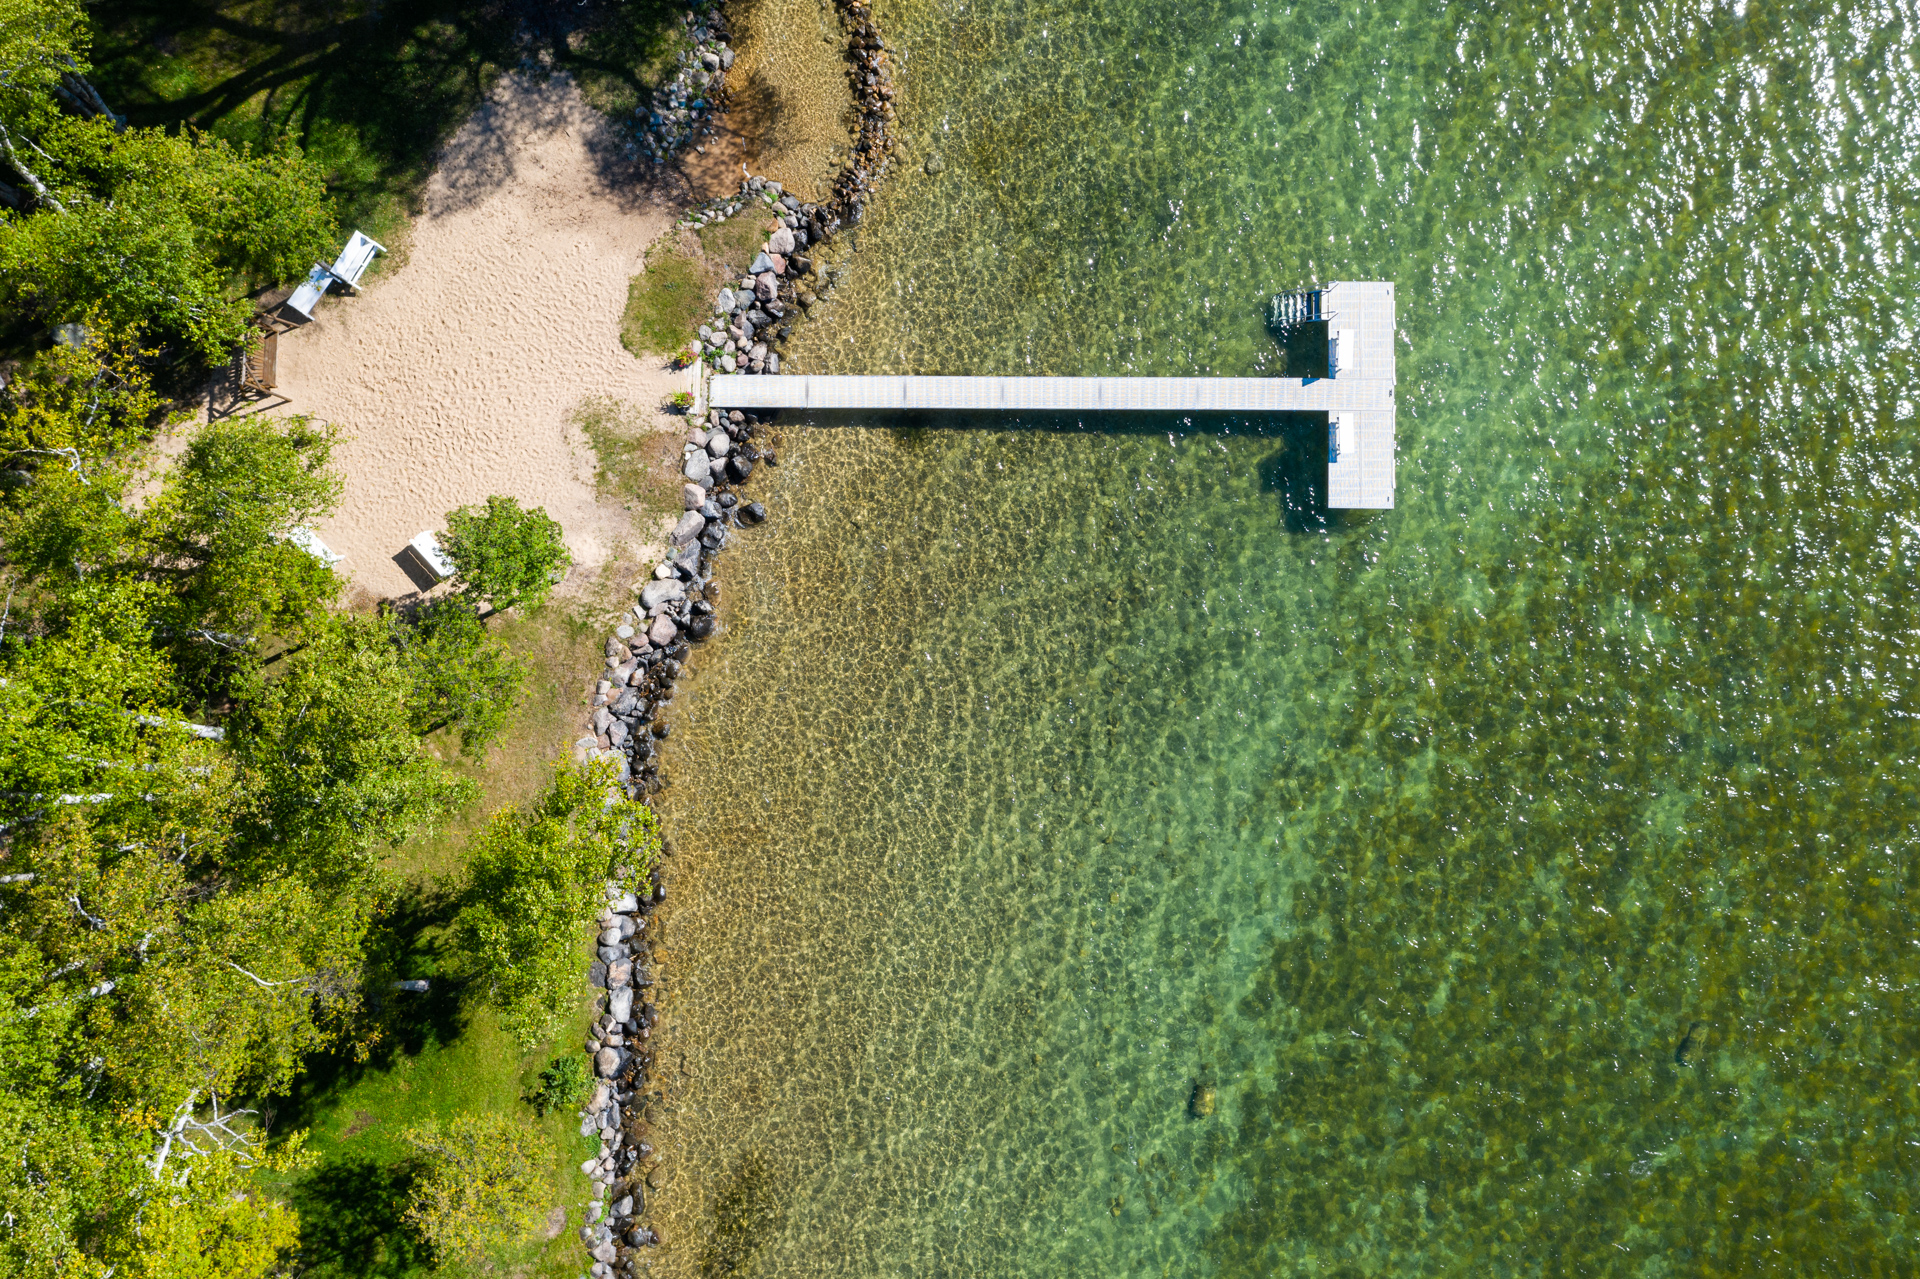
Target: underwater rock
(1202,1102)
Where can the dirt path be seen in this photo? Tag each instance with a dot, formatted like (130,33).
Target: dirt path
(457,374)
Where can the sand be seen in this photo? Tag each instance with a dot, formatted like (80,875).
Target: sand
(456,375)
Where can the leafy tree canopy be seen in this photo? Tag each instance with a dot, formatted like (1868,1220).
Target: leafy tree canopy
(503,554)
(536,883)
(141,229)
(477,1184)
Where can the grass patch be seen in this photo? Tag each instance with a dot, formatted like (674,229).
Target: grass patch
(670,297)
(730,245)
(667,300)
(633,463)
(371,88)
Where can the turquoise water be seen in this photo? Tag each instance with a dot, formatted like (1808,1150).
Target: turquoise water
(1093,858)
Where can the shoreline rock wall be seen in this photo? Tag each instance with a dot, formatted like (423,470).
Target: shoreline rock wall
(675,608)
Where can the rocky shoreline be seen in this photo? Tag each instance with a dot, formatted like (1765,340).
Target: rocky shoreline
(675,606)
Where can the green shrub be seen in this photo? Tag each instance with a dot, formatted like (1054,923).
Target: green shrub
(564,1084)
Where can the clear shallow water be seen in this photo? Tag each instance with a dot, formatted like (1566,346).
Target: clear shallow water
(1526,871)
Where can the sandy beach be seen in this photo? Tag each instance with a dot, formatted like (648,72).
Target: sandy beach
(456,375)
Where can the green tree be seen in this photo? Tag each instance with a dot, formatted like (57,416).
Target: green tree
(535,886)
(217,535)
(503,554)
(464,678)
(476,1186)
(332,763)
(145,230)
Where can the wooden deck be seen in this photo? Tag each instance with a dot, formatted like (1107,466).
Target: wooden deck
(1359,401)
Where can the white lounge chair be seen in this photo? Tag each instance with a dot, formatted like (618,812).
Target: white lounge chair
(345,271)
(427,547)
(309,541)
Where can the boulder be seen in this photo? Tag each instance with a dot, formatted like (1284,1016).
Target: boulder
(692,496)
(779,262)
(620,1003)
(728,365)
(687,529)
(765,286)
(780,242)
(625,904)
(739,468)
(602,718)
(701,627)
(719,445)
(773,364)
(581,747)
(752,513)
(597,973)
(662,631)
(696,468)
(618,973)
(605,1252)
(726,59)
(611,954)
(610,935)
(725,302)
(761,264)
(617,734)
(715,537)
(606,1061)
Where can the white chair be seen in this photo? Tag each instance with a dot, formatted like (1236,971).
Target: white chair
(345,271)
(427,547)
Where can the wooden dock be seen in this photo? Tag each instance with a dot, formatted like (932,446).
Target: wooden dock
(1357,396)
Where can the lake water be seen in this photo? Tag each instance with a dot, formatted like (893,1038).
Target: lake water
(1095,859)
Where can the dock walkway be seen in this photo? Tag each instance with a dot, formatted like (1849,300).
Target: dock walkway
(1357,396)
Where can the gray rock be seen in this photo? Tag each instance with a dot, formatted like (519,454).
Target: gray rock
(620,1003)
(597,973)
(766,286)
(780,242)
(623,1207)
(611,955)
(618,973)
(762,264)
(582,748)
(696,468)
(662,632)
(728,363)
(617,733)
(739,467)
(773,363)
(625,904)
(606,1061)
(610,935)
(709,59)
(692,496)
(752,513)
(623,632)
(718,444)
(701,627)
(725,302)
(669,590)
(626,926)
(686,530)
(726,59)
(605,1252)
